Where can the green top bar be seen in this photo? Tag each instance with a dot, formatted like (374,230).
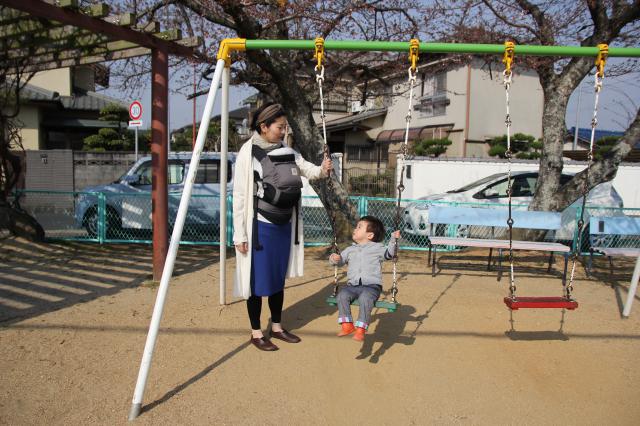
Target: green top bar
(403,46)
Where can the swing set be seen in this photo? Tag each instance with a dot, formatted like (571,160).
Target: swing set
(414,47)
(565,301)
(221,78)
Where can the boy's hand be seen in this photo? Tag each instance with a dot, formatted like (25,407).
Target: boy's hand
(335,258)
(396,234)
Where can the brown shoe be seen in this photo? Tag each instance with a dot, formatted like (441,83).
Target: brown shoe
(285,335)
(263,344)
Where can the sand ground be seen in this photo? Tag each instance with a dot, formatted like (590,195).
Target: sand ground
(74,318)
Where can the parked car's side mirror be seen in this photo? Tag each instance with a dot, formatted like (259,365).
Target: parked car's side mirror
(132,179)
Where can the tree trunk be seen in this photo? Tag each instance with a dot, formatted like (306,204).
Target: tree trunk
(549,195)
(20,223)
(310,144)
(551,163)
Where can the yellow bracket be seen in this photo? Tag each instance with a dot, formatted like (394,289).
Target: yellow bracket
(414,48)
(601,59)
(319,55)
(228,45)
(509,54)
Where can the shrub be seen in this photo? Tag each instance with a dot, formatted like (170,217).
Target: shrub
(431,147)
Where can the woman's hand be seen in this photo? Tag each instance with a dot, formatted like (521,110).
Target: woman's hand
(242,247)
(335,258)
(327,165)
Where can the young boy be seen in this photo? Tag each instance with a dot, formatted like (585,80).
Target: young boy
(364,275)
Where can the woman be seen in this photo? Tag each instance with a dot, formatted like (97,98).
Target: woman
(267,221)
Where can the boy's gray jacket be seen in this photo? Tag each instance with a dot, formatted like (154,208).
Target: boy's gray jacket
(365,261)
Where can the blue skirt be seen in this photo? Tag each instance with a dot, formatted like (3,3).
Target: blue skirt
(269,265)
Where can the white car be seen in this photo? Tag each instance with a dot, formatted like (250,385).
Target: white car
(493,190)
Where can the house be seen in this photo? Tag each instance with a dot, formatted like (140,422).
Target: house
(60,107)
(465,103)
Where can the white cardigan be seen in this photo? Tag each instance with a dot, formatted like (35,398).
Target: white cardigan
(243,219)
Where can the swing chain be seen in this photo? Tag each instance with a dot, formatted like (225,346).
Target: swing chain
(319,69)
(414,48)
(600,62)
(508,59)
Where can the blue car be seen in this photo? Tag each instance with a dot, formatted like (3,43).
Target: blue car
(127,201)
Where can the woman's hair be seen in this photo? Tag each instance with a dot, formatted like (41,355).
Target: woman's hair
(374,225)
(267,114)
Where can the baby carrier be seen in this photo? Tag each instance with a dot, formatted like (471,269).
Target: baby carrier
(277,192)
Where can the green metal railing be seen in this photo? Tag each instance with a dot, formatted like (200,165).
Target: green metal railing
(403,46)
(105,217)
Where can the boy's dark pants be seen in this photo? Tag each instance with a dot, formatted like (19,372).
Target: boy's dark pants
(367,296)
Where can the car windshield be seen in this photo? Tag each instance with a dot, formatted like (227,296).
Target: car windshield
(121,178)
(476,183)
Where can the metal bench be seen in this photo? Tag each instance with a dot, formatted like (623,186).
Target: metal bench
(495,218)
(600,227)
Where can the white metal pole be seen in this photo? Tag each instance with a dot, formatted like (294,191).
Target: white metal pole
(224,144)
(136,144)
(633,288)
(575,133)
(143,373)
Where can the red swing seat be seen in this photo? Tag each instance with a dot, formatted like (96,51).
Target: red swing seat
(515,303)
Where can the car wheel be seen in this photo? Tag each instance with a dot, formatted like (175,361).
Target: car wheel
(462,231)
(114,223)
(455,231)
(602,241)
(90,222)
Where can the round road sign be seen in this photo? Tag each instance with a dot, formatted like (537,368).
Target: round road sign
(135,110)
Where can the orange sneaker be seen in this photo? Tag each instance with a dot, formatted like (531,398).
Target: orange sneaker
(359,336)
(347,328)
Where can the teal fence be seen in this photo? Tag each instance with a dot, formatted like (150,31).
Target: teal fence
(126,217)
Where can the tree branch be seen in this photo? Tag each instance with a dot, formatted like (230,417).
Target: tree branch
(599,16)
(546,35)
(509,22)
(200,9)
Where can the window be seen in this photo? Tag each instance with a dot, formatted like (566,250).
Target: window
(433,100)
(174,176)
(497,190)
(362,153)
(522,186)
(368,153)
(209,172)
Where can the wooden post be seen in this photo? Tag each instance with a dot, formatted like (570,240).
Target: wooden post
(159,157)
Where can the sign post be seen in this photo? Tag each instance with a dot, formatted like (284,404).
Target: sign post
(135,114)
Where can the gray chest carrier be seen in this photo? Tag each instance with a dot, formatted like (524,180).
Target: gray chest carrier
(277,192)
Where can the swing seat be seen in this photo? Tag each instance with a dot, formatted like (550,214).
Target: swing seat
(540,302)
(383,304)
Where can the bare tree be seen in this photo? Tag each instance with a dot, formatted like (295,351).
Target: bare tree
(288,76)
(556,22)
(12,217)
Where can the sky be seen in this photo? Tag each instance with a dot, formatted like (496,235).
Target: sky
(618,104)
